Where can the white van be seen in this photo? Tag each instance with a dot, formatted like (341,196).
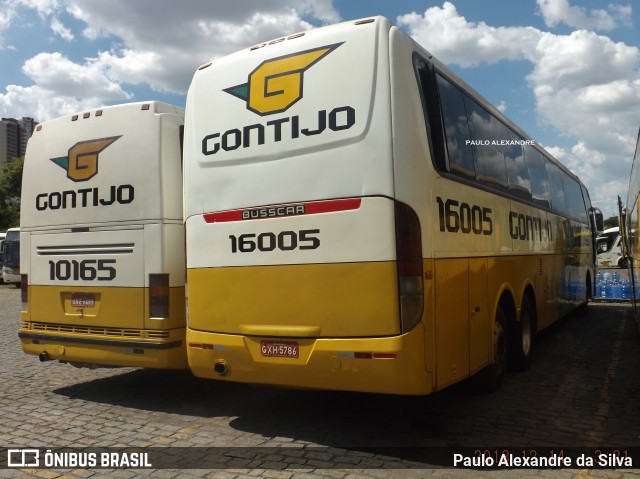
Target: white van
(609,249)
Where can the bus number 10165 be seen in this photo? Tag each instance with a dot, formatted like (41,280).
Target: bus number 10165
(86,270)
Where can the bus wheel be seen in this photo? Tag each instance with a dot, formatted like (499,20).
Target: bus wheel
(523,337)
(490,378)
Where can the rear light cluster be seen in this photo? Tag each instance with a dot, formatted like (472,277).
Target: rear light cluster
(158,295)
(24,290)
(410,271)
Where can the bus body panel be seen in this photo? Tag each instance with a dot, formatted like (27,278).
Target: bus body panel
(101,215)
(347,364)
(351,148)
(283,265)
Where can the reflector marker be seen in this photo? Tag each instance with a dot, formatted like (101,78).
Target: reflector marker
(278,211)
(361,355)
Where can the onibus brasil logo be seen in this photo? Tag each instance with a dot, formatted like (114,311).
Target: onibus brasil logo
(276,84)
(81,162)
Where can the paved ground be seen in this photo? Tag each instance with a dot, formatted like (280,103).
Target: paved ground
(583,390)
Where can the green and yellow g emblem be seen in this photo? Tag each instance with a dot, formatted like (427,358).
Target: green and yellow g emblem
(276,84)
(81,163)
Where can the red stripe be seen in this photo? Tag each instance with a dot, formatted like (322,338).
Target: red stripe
(310,208)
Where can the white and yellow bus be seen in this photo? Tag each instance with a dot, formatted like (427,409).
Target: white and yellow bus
(102,239)
(361,219)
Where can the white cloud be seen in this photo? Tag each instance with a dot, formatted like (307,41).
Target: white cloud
(40,103)
(159,47)
(560,11)
(453,39)
(181,39)
(7,15)
(586,85)
(58,74)
(60,30)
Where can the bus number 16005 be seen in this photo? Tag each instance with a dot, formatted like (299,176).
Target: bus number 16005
(455,216)
(284,241)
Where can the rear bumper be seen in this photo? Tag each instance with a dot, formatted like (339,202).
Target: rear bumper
(328,363)
(108,351)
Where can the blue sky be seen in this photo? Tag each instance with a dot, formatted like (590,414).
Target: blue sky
(566,71)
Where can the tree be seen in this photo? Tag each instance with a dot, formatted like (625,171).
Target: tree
(611,222)
(10,188)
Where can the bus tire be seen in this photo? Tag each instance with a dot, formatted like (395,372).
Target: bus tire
(490,378)
(523,336)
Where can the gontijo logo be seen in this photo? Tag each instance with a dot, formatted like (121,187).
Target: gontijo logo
(273,87)
(81,162)
(276,84)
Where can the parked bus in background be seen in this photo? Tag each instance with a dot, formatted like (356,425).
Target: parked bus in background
(630,225)
(11,257)
(102,239)
(609,249)
(361,219)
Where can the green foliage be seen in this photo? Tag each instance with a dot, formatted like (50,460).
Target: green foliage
(10,188)
(611,222)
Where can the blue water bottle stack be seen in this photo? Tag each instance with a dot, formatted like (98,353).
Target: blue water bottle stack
(611,286)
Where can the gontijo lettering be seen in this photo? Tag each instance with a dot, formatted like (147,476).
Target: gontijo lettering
(339,118)
(273,87)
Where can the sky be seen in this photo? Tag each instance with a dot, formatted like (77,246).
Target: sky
(566,71)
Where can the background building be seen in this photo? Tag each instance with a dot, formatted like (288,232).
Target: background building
(14,135)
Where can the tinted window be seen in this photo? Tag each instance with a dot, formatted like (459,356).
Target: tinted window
(575,203)
(558,201)
(487,133)
(456,128)
(538,176)
(517,171)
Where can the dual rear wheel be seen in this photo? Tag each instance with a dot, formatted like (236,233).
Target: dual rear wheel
(512,345)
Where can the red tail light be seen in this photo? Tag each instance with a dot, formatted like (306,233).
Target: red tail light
(409,259)
(24,290)
(159,295)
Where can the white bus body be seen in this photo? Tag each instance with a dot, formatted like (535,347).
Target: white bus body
(609,249)
(102,241)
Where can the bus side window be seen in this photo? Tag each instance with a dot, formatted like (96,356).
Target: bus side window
(485,128)
(456,128)
(517,171)
(538,177)
(558,198)
(575,203)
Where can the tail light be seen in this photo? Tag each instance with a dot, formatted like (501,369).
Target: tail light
(159,295)
(24,290)
(409,260)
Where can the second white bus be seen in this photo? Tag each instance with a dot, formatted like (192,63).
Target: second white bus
(361,219)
